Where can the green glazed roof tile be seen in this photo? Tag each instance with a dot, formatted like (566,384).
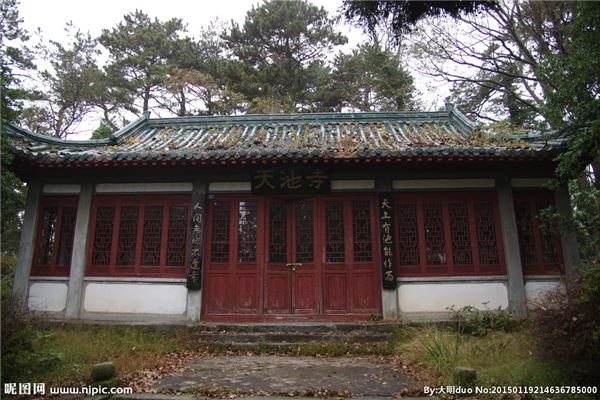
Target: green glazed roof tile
(338,135)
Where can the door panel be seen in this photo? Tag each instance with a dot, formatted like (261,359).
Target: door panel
(219,300)
(291,274)
(364,298)
(305,292)
(246,296)
(335,292)
(278,293)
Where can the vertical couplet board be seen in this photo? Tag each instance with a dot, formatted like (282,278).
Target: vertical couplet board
(386,236)
(194,278)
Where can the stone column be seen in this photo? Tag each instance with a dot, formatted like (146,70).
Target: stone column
(516,285)
(389,298)
(27,241)
(568,239)
(78,256)
(194,297)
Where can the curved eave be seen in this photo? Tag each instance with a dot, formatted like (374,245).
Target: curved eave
(221,157)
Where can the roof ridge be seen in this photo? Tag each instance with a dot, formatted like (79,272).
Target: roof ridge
(14,130)
(321,116)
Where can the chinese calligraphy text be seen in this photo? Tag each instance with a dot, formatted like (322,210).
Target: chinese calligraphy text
(386,234)
(313,179)
(194,278)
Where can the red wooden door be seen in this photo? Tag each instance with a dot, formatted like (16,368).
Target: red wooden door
(350,268)
(233,256)
(271,258)
(291,271)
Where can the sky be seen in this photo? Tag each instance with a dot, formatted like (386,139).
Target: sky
(93,16)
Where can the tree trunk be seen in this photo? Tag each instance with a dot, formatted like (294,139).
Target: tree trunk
(146,98)
(59,123)
(182,105)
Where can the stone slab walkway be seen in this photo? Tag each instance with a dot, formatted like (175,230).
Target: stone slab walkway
(361,376)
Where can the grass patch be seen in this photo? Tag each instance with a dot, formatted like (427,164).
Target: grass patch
(79,346)
(500,358)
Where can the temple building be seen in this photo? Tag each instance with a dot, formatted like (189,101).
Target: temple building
(288,217)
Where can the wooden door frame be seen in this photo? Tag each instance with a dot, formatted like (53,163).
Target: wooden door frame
(318,248)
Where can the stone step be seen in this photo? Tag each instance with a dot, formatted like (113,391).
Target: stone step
(304,327)
(305,347)
(292,337)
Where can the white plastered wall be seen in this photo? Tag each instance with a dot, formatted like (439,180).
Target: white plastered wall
(423,298)
(535,290)
(49,296)
(135,297)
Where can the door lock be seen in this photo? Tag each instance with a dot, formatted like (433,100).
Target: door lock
(294,265)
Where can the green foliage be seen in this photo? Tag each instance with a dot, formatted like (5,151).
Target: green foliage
(21,331)
(271,105)
(70,85)
(279,50)
(567,325)
(472,321)
(371,79)
(65,353)
(12,197)
(574,101)
(440,352)
(500,358)
(104,130)
(403,15)
(141,50)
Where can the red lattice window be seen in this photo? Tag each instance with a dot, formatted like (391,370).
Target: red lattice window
(539,244)
(435,246)
(487,241)
(153,216)
(361,230)
(448,233)
(56,230)
(233,232)
(219,249)
(127,236)
(460,233)
(139,235)
(103,236)
(304,231)
(278,232)
(177,236)
(408,235)
(334,232)
(247,231)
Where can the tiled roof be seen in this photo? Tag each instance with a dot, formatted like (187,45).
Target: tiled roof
(389,135)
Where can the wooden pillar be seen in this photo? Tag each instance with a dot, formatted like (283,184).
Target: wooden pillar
(516,285)
(78,256)
(27,241)
(196,246)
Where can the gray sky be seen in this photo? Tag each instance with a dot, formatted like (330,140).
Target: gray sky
(93,16)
